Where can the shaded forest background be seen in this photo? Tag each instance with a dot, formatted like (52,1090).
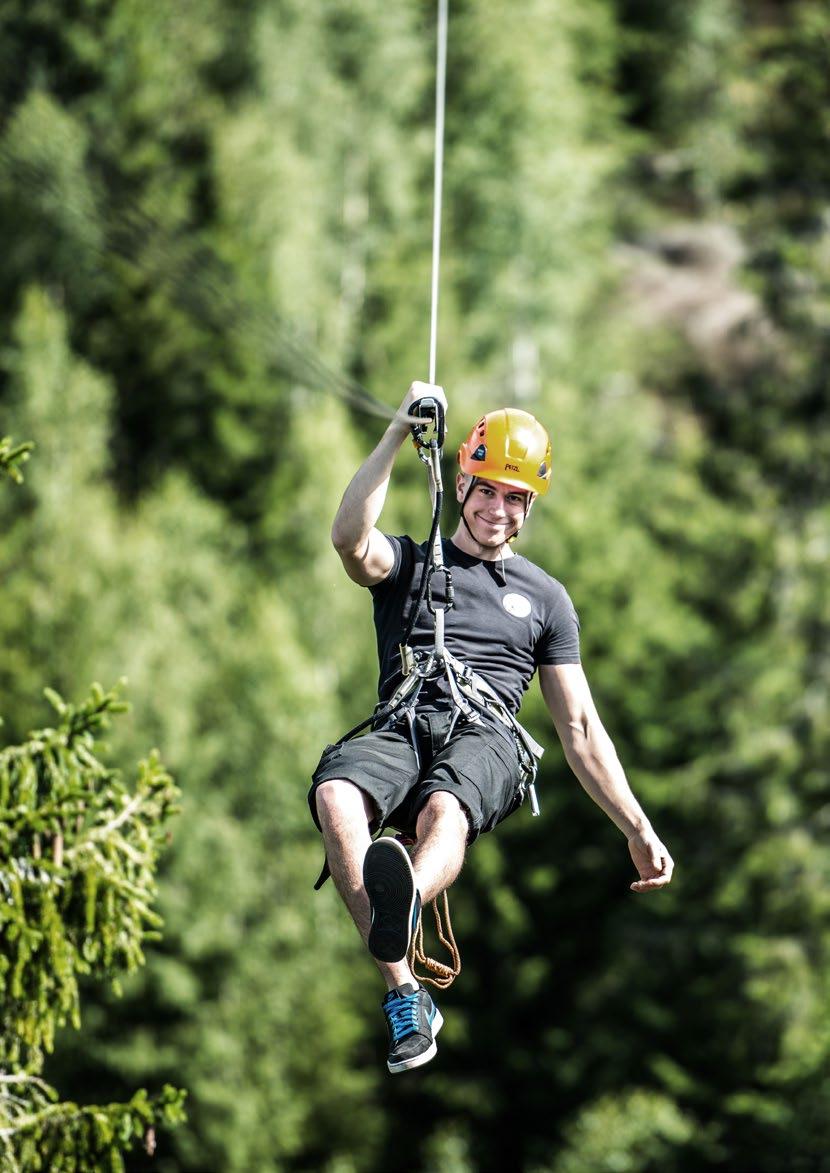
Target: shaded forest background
(211,215)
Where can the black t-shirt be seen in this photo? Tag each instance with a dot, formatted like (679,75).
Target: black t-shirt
(507,619)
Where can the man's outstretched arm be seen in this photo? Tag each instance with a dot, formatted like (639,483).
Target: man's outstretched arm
(591,755)
(364,551)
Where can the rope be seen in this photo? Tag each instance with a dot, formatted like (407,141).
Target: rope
(434,552)
(443,975)
(440,104)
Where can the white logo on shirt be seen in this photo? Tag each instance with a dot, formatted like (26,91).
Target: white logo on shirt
(516,605)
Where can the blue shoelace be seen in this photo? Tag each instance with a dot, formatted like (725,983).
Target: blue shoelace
(402,1014)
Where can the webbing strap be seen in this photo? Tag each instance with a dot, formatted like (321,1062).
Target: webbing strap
(458,698)
(480,692)
(407,691)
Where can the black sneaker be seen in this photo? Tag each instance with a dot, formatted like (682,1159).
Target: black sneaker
(413,1020)
(395,902)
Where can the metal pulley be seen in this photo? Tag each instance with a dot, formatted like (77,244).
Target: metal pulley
(429,434)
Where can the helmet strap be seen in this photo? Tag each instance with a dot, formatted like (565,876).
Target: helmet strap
(470,488)
(529,499)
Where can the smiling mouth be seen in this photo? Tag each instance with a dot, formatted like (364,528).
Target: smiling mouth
(493,527)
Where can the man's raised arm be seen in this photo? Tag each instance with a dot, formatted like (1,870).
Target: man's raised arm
(364,551)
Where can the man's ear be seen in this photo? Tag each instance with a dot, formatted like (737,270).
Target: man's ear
(462,482)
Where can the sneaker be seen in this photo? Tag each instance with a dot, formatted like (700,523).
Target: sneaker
(413,1020)
(395,902)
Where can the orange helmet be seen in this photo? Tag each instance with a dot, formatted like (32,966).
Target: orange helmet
(509,446)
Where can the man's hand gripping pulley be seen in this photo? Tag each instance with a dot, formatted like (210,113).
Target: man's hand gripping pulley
(429,432)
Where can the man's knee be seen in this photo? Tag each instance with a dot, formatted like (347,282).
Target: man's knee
(443,807)
(339,800)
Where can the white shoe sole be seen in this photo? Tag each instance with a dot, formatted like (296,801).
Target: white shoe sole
(420,1060)
(390,885)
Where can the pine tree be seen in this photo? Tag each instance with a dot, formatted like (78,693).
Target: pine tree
(78,854)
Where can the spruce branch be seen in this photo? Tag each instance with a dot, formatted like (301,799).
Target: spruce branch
(39,1132)
(78,853)
(12,456)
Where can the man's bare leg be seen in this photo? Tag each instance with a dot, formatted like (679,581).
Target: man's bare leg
(441,842)
(345,812)
(397,883)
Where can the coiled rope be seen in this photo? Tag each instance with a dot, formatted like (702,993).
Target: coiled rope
(441,976)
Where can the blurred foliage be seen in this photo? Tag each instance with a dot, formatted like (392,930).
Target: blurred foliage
(215,215)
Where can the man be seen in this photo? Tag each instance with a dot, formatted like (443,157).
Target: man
(443,779)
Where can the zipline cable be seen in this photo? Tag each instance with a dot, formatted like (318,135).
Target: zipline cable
(429,436)
(438,186)
(437,489)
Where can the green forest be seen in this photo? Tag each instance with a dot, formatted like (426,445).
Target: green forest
(215,231)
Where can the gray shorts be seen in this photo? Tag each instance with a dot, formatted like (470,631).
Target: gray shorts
(479,765)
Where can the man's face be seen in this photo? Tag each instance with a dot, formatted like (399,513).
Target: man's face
(494,512)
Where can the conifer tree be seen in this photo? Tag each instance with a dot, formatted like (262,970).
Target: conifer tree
(78,853)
